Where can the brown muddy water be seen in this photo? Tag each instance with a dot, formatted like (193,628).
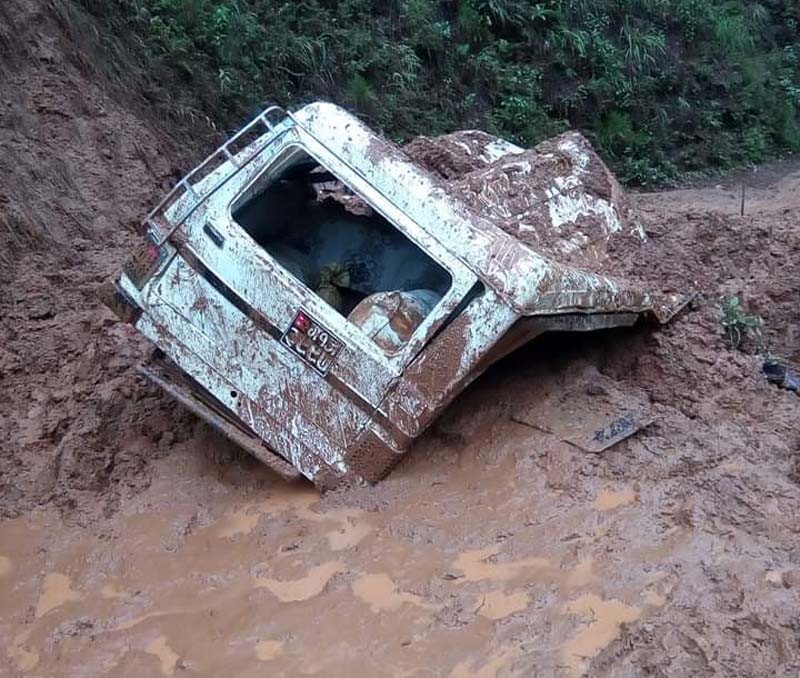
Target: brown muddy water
(273,580)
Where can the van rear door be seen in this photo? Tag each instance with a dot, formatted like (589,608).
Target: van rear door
(256,305)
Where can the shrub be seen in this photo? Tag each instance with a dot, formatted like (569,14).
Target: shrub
(663,87)
(738,325)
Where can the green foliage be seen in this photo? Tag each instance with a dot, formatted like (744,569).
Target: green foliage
(663,87)
(737,324)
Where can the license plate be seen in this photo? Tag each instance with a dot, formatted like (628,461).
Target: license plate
(312,342)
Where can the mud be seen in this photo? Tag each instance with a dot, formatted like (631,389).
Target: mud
(136,542)
(76,169)
(559,197)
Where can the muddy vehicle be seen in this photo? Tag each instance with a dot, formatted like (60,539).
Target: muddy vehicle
(319,297)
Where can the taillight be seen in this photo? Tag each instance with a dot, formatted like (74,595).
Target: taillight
(153,253)
(145,261)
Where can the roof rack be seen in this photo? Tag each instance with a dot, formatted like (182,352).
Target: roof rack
(269,118)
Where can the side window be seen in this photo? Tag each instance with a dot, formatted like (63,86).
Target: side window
(338,246)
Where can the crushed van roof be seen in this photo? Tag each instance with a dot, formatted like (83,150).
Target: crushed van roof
(515,243)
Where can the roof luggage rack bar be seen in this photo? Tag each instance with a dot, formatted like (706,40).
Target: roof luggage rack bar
(215,160)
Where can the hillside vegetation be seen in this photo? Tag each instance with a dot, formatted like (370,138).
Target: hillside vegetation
(664,87)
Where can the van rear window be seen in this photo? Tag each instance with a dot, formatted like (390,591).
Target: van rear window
(341,248)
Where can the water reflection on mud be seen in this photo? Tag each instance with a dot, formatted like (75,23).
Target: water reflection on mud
(316,587)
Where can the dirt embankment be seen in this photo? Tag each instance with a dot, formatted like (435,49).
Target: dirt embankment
(79,164)
(494,550)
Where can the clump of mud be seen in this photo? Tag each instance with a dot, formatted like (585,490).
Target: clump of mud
(558,197)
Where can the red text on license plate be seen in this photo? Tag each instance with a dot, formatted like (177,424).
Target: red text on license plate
(312,342)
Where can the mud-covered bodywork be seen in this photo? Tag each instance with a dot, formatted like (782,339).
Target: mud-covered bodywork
(320,297)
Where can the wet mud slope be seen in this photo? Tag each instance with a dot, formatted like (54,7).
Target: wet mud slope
(135,542)
(76,169)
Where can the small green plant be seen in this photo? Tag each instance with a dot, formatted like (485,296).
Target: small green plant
(737,324)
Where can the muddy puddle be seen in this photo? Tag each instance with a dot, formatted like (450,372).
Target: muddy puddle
(274,578)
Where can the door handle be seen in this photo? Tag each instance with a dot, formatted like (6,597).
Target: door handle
(216,237)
